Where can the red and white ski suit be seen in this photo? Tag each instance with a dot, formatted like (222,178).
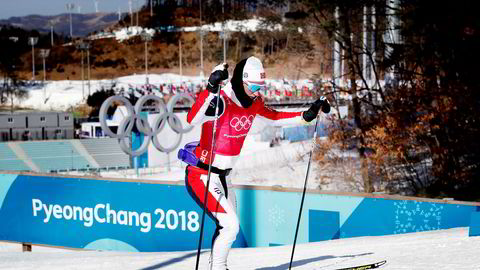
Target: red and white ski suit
(232,128)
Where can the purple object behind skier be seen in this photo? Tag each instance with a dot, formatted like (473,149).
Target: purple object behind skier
(186,154)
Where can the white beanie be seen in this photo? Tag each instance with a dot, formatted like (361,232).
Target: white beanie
(253,71)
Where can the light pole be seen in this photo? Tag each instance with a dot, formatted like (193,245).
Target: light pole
(83,77)
(131,13)
(180,59)
(224,35)
(32,41)
(70,7)
(14,39)
(151,8)
(51,35)
(201,33)
(88,67)
(44,54)
(147,38)
(84,46)
(201,42)
(136,7)
(51,32)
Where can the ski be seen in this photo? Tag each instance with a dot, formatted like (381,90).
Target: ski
(365,266)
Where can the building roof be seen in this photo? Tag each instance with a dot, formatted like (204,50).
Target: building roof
(4,113)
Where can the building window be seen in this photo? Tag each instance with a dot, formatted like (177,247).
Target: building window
(10,120)
(58,132)
(42,118)
(67,118)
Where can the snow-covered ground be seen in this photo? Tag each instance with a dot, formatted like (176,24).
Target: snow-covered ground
(62,95)
(433,250)
(250,25)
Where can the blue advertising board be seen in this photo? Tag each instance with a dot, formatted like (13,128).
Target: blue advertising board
(268,218)
(99,214)
(102,214)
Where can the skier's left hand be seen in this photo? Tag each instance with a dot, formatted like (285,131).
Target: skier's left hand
(325,105)
(312,112)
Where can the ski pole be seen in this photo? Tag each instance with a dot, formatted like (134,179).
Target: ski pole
(304,190)
(205,197)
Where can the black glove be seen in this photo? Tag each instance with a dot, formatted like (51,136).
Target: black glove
(312,112)
(325,105)
(219,74)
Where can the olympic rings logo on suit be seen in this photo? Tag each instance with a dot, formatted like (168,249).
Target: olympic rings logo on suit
(133,117)
(244,122)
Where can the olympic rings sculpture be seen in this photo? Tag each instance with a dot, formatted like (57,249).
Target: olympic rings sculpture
(133,117)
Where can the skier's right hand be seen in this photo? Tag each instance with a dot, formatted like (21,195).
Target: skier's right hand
(218,74)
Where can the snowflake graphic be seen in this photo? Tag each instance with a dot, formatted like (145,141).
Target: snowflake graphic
(276,215)
(417,216)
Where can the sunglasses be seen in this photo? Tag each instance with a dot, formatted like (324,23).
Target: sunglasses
(255,87)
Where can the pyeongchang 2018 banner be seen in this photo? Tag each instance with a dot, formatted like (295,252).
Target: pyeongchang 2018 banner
(139,216)
(100,214)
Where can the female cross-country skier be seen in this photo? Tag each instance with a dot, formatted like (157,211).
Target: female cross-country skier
(239,104)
